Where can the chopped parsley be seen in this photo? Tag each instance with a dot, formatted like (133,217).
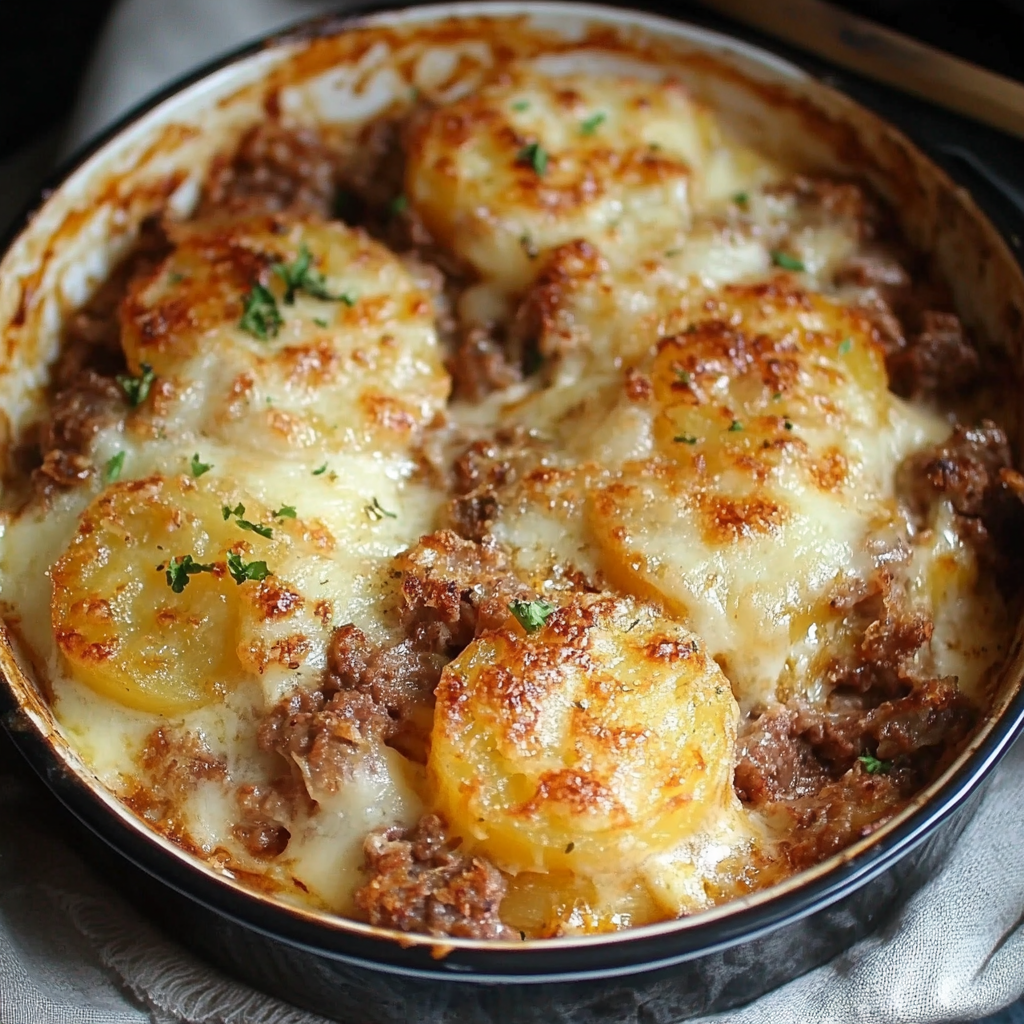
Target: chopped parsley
(741,198)
(685,439)
(179,569)
(873,766)
(284,512)
(398,205)
(321,470)
(777,397)
(534,155)
(320,321)
(529,246)
(300,275)
(244,524)
(242,571)
(734,426)
(260,315)
(376,511)
(669,253)
(199,468)
(786,261)
(684,376)
(592,123)
(787,423)
(845,345)
(175,277)
(531,615)
(136,389)
(520,105)
(112,470)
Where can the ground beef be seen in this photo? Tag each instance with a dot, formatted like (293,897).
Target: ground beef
(458,586)
(889,634)
(266,813)
(421,883)
(480,474)
(972,469)
(479,365)
(325,733)
(274,170)
(773,762)
(939,359)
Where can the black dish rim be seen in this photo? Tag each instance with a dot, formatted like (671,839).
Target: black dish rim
(543,961)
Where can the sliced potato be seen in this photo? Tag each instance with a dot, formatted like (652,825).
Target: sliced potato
(148,597)
(531,161)
(347,360)
(605,735)
(774,440)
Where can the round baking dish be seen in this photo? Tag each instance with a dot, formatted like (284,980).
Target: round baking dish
(705,963)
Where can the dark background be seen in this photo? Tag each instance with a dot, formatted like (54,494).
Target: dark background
(45,44)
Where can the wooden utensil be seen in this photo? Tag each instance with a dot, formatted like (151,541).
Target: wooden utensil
(886,56)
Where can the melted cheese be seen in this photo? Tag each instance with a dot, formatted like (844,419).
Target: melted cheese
(711,446)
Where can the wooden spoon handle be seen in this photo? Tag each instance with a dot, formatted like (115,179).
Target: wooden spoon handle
(887,56)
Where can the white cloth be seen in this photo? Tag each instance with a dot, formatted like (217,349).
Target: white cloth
(73,952)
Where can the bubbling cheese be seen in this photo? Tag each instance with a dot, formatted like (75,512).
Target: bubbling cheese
(282,335)
(696,472)
(595,741)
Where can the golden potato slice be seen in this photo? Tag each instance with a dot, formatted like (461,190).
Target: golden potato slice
(147,597)
(282,335)
(774,442)
(531,161)
(604,735)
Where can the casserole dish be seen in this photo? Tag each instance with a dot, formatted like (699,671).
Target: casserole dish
(686,966)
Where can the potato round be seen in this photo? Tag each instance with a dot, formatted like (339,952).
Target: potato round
(118,623)
(602,737)
(350,360)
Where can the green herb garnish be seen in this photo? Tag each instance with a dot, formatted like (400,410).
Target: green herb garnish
(534,155)
(320,321)
(244,524)
(136,389)
(531,615)
(112,470)
(787,423)
(179,569)
(734,426)
(786,261)
(199,468)
(592,123)
(377,512)
(741,198)
(845,345)
(684,376)
(300,275)
(520,105)
(284,512)
(242,571)
(260,315)
(398,205)
(685,439)
(321,470)
(873,766)
(529,246)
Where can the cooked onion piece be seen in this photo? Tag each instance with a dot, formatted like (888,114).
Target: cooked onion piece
(603,736)
(530,161)
(774,444)
(151,594)
(282,335)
